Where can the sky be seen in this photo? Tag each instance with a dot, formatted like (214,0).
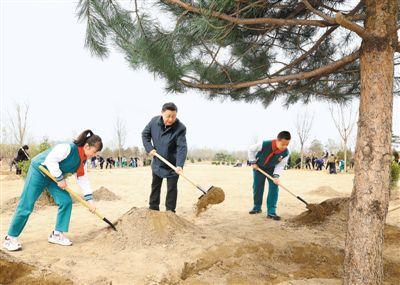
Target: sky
(44,63)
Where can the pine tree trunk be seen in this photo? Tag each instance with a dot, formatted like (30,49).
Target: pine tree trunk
(369,200)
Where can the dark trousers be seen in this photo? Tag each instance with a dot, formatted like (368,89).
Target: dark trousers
(172,193)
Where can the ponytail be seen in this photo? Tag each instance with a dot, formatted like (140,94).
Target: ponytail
(88,137)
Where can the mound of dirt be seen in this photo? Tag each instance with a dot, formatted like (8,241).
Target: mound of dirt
(213,196)
(103,194)
(42,202)
(325,191)
(15,272)
(265,263)
(144,227)
(335,209)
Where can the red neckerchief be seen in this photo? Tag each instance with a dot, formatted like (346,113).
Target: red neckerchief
(82,158)
(275,150)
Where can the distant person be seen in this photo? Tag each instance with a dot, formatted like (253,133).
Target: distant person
(313,159)
(61,160)
(100,159)
(271,156)
(308,162)
(165,135)
(319,163)
(341,165)
(93,162)
(332,164)
(22,155)
(109,162)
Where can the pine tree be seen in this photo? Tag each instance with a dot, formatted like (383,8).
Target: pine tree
(257,51)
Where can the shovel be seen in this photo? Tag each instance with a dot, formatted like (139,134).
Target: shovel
(77,197)
(311,207)
(214,195)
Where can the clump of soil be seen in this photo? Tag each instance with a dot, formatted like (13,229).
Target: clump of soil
(15,272)
(335,208)
(325,191)
(141,226)
(105,195)
(215,195)
(43,201)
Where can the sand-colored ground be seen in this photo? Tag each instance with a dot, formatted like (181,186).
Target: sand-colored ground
(224,245)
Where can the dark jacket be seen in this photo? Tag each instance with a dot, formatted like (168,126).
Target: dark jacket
(169,142)
(21,155)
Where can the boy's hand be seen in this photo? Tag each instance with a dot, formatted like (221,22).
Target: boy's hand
(179,170)
(62,184)
(255,166)
(92,206)
(153,152)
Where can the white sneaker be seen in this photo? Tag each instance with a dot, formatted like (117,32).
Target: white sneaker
(59,239)
(12,244)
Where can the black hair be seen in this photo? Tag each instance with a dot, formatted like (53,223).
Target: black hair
(169,106)
(284,135)
(88,137)
(25,147)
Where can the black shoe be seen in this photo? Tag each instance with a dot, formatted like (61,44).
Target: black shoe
(274,217)
(169,210)
(252,212)
(154,208)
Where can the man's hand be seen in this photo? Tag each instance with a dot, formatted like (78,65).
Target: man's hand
(153,152)
(255,166)
(276,181)
(92,206)
(62,184)
(179,170)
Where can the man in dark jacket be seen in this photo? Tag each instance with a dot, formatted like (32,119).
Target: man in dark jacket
(165,135)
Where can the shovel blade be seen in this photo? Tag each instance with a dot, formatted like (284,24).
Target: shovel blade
(111,224)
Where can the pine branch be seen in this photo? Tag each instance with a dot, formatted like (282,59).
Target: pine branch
(249,21)
(299,76)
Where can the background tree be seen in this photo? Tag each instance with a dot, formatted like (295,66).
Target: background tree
(303,129)
(316,148)
(19,122)
(344,119)
(260,50)
(120,135)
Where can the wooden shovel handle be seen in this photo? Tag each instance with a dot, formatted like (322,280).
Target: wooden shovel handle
(174,168)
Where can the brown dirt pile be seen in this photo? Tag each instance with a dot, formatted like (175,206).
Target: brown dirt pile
(103,194)
(42,202)
(263,263)
(215,195)
(144,227)
(15,272)
(325,191)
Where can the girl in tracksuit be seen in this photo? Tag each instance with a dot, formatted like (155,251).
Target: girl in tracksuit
(61,161)
(271,156)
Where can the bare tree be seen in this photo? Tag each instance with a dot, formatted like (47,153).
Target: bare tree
(344,119)
(303,128)
(18,122)
(120,134)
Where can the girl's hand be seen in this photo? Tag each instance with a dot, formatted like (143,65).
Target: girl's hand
(62,184)
(92,206)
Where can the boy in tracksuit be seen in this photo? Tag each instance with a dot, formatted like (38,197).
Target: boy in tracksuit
(271,156)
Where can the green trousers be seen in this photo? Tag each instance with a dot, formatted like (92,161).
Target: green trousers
(258,192)
(35,183)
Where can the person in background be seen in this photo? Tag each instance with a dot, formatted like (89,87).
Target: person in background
(22,155)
